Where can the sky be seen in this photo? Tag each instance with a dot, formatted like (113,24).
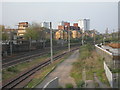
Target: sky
(102,15)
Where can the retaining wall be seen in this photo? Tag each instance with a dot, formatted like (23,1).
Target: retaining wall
(52,84)
(109,62)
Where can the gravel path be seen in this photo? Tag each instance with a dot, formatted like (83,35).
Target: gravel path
(90,84)
(62,72)
(101,85)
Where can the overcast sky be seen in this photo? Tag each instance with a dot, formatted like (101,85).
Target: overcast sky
(101,14)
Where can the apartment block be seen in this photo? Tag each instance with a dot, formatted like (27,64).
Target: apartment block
(22,28)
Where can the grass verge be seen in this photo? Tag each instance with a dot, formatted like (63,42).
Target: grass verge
(69,85)
(14,71)
(91,62)
(40,75)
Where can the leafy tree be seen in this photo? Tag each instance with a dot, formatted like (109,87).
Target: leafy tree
(31,34)
(35,32)
(5,36)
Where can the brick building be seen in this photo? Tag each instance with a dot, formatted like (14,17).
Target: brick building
(66,25)
(22,28)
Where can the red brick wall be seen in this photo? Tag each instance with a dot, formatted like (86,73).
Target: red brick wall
(75,24)
(61,27)
(67,24)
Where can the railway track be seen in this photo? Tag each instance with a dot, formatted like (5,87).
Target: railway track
(13,83)
(13,61)
(20,60)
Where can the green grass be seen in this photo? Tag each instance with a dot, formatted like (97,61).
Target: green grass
(80,84)
(17,69)
(69,85)
(92,63)
(39,77)
(115,70)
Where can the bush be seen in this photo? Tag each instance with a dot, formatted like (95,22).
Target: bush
(80,84)
(12,69)
(60,87)
(69,85)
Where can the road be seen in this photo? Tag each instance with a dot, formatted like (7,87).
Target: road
(62,72)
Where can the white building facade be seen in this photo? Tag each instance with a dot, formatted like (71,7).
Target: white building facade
(84,24)
(61,23)
(45,24)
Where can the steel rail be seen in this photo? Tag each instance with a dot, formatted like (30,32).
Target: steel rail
(11,84)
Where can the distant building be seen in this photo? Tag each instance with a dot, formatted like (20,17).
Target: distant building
(84,24)
(76,34)
(12,33)
(110,53)
(61,34)
(45,24)
(2,27)
(66,25)
(63,25)
(60,27)
(74,28)
(63,28)
(22,28)
(75,24)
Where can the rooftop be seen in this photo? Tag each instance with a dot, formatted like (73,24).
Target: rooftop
(114,51)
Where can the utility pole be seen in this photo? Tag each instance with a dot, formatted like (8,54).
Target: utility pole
(113,33)
(30,44)
(94,36)
(84,76)
(51,44)
(104,40)
(106,31)
(69,39)
(11,50)
(82,38)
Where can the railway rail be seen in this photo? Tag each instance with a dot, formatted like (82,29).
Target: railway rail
(13,83)
(23,58)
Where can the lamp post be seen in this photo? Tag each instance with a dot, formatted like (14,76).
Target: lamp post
(51,43)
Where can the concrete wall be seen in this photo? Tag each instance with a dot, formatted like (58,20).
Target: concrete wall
(113,78)
(52,84)
(108,74)
(106,55)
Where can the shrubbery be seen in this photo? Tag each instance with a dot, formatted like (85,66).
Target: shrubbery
(69,85)
(12,69)
(85,51)
(80,84)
